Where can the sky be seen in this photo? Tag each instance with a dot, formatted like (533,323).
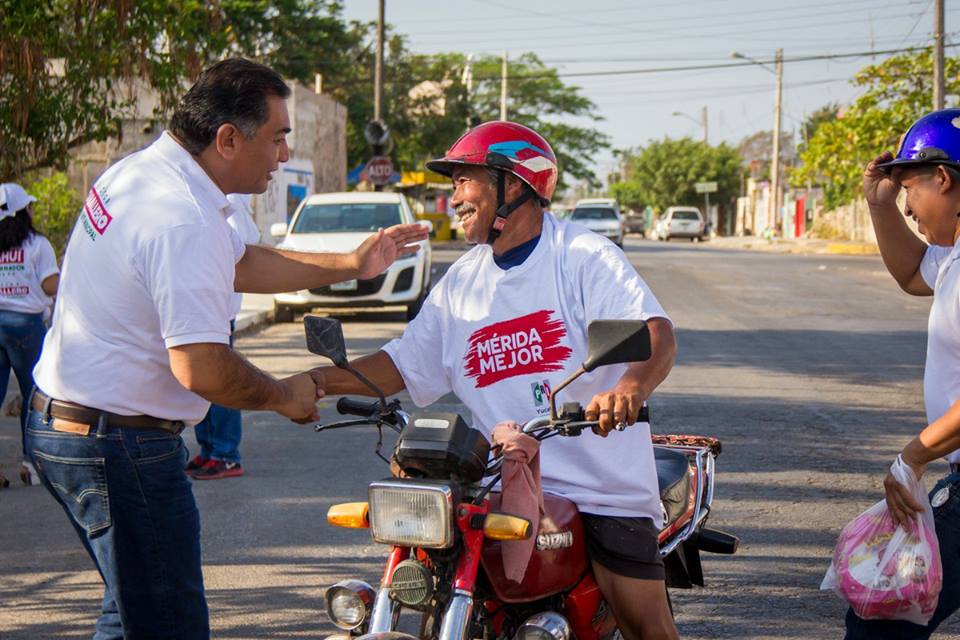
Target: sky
(625,35)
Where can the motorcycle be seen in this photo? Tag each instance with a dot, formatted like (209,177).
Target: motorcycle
(445,532)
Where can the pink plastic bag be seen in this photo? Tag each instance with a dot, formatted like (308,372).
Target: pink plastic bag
(884,571)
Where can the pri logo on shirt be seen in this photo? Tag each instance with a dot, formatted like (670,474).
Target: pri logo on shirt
(96,218)
(524,345)
(541,392)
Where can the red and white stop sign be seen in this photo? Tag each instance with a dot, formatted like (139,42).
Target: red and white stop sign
(379,169)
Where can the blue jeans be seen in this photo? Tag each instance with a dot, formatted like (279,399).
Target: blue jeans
(220,430)
(126,494)
(21,338)
(947,518)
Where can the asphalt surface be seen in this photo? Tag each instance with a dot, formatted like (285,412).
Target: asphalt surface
(807,368)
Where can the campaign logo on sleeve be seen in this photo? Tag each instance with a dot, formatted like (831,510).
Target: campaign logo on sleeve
(524,345)
(96,219)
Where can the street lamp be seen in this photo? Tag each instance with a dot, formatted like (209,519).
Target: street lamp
(773,207)
(702,121)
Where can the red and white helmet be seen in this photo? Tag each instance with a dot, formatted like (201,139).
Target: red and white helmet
(506,146)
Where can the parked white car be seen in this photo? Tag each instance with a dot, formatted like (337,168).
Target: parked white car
(680,222)
(604,219)
(338,223)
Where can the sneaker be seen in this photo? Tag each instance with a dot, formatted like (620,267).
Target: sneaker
(4,483)
(28,475)
(196,463)
(216,469)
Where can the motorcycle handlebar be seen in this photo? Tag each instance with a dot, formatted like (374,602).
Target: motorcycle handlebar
(351,407)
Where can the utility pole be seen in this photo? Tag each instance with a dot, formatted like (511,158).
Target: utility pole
(704,117)
(378,69)
(503,87)
(773,210)
(938,88)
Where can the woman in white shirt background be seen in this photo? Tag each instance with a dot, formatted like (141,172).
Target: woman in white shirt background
(29,276)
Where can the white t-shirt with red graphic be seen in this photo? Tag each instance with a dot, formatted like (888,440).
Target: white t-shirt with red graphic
(22,272)
(500,340)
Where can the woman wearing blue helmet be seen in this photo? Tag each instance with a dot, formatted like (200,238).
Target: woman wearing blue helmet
(927,168)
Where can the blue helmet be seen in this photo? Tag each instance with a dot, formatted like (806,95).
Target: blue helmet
(933,139)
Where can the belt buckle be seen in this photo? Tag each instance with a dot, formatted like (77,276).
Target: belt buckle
(69,426)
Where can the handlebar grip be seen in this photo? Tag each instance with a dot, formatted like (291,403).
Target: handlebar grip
(349,406)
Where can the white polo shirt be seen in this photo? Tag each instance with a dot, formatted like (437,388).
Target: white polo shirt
(941,375)
(22,272)
(149,266)
(242,222)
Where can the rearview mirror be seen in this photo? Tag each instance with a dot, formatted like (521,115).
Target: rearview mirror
(278,229)
(325,338)
(616,341)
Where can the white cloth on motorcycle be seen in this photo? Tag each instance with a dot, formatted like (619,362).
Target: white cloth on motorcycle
(521,492)
(673,476)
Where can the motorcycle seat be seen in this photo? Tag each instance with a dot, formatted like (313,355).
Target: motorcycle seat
(673,475)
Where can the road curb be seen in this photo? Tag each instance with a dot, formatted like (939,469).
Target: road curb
(251,321)
(852,249)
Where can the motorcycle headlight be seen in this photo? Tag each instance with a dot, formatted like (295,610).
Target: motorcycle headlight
(412,513)
(348,603)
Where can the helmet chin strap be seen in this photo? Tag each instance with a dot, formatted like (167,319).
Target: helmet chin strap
(504,209)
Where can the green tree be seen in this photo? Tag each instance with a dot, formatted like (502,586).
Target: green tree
(427,106)
(663,173)
(63,65)
(55,210)
(896,92)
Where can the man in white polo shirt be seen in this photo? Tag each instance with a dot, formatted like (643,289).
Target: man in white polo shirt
(139,342)
(927,168)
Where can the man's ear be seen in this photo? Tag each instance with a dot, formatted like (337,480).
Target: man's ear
(514,187)
(227,140)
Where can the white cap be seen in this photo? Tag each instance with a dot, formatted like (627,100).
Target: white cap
(12,199)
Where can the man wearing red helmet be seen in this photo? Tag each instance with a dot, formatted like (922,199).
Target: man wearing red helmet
(508,322)
(927,168)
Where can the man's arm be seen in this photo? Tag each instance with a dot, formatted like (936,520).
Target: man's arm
(269,270)
(623,403)
(901,250)
(939,438)
(377,367)
(219,374)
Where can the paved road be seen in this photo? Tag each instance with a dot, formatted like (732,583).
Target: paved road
(808,369)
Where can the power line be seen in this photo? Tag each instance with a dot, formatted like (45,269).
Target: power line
(703,21)
(722,65)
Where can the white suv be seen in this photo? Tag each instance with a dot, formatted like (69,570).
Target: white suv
(600,215)
(680,222)
(338,223)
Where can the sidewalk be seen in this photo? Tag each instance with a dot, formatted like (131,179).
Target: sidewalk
(257,309)
(802,246)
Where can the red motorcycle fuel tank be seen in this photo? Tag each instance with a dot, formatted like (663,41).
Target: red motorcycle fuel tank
(559,559)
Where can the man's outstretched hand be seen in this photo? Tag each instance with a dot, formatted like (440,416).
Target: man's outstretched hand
(380,250)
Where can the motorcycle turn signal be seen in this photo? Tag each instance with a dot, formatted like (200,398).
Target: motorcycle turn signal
(350,515)
(501,526)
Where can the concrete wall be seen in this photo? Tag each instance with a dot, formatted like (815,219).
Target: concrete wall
(318,152)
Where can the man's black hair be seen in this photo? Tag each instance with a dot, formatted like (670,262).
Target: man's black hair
(15,229)
(232,91)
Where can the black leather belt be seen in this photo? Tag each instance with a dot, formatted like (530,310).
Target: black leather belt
(86,415)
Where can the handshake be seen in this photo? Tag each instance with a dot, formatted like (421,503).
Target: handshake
(296,397)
